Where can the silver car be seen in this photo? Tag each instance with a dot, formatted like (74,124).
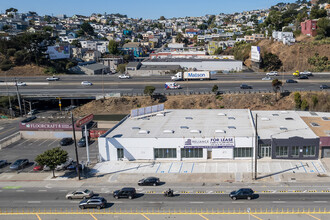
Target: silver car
(80,194)
(63,166)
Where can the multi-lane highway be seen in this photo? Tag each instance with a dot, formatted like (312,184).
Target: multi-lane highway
(71,85)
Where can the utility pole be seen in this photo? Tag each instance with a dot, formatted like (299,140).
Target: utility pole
(75,146)
(19,98)
(256,150)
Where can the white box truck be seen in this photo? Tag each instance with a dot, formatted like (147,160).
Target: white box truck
(192,75)
(172,85)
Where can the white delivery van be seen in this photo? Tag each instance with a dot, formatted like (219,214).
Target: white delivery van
(172,85)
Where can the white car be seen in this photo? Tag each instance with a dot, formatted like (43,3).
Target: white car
(272,73)
(86,83)
(53,78)
(266,78)
(124,76)
(21,83)
(306,73)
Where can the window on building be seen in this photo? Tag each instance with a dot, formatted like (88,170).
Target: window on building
(120,153)
(295,151)
(243,152)
(192,153)
(165,153)
(308,151)
(282,151)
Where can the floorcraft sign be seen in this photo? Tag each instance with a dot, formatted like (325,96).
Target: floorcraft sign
(226,142)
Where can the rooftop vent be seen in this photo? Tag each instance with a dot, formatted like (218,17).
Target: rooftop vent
(168,131)
(160,114)
(283,128)
(195,131)
(222,114)
(231,117)
(184,127)
(284,112)
(289,119)
(325,118)
(220,131)
(231,127)
(135,128)
(144,132)
(313,113)
(189,118)
(315,124)
(265,119)
(275,114)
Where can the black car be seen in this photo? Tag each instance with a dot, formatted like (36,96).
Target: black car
(73,166)
(244,86)
(94,202)
(291,81)
(127,192)
(19,164)
(303,77)
(82,142)
(324,87)
(244,193)
(149,181)
(66,141)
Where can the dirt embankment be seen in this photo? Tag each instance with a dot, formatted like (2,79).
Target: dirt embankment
(295,57)
(26,70)
(266,101)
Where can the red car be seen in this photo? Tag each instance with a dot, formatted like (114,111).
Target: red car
(38,168)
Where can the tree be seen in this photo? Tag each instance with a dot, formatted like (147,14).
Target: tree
(52,158)
(218,51)
(149,90)
(304,105)
(179,38)
(297,100)
(271,62)
(323,29)
(215,88)
(317,13)
(11,10)
(121,68)
(162,18)
(113,47)
(87,28)
(76,43)
(276,84)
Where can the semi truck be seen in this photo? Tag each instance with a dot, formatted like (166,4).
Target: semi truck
(191,75)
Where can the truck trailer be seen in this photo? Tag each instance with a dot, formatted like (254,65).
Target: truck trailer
(192,75)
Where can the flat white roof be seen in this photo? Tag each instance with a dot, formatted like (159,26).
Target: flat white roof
(188,123)
(282,124)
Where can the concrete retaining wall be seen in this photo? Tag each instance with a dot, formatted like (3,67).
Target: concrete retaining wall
(9,140)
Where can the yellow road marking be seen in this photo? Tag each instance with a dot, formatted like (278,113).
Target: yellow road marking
(93,216)
(256,217)
(7,130)
(38,217)
(145,216)
(203,217)
(313,217)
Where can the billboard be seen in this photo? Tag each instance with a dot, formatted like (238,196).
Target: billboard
(223,142)
(58,52)
(255,53)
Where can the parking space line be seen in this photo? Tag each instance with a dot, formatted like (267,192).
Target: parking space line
(38,217)
(23,142)
(256,217)
(203,217)
(303,167)
(158,167)
(42,142)
(93,216)
(33,142)
(192,168)
(170,168)
(51,143)
(145,216)
(180,167)
(313,216)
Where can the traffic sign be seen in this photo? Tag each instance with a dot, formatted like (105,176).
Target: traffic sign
(84,120)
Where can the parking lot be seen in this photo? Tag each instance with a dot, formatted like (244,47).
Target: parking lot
(30,148)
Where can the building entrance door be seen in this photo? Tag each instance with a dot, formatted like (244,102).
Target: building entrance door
(209,155)
(265,151)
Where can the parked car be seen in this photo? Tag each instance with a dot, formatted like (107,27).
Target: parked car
(244,193)
(66,141)
(38,167)
(303,77)
(63,166)
(266,78)
(124,76)
(272,73)
(3,163)
(28,119)
(33,112)
(21,83)
(291,81)
(80,194)
(53,78)
(94,202)
(151,181)
(82,142)
(73,166)
(19,164)
(324,87)
(86,83)
(46,168)
(244,86)
(127,192)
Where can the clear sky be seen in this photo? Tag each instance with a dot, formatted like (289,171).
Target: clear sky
(138,8)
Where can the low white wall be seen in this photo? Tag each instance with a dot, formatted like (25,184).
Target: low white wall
(49,134)
(9,140)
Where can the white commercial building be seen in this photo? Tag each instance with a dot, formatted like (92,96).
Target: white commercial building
(181,135)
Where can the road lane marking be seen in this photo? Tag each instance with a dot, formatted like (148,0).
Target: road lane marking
(196,202)
(20,190)
(145,217)
(7,131)
(42,190)
(38,217)
(279,201)
(256,217)
(34,202)
(93,217)
(203,217)
(63,190)
(320,201)
(313,216)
